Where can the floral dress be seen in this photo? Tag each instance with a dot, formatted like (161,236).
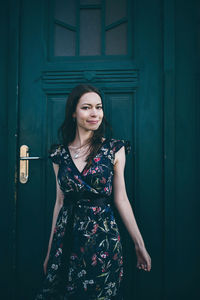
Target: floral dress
(95,264)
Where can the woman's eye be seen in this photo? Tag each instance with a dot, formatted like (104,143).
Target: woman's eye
(87,107)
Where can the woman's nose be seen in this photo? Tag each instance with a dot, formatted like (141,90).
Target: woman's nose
(94,112)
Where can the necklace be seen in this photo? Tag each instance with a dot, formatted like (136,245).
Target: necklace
(77,153)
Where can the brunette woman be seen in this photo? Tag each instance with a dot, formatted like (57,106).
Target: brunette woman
(84,259)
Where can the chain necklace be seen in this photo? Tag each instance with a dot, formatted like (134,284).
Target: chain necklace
(77,153)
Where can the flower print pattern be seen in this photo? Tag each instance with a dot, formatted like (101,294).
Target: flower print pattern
(96,261)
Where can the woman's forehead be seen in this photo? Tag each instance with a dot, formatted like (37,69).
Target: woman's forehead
(91,98)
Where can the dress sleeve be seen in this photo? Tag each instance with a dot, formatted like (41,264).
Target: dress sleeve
(54,153)
(117,144)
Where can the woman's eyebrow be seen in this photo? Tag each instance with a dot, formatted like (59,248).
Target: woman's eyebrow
(91,104)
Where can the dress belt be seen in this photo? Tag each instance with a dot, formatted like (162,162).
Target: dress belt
(86,198)
(72,200)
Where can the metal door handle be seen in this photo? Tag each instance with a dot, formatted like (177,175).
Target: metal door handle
(29,157)
(24,163)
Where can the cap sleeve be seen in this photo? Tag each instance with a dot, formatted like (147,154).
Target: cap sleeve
(54,153)
(117,144)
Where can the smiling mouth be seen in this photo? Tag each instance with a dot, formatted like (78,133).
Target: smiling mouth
(93,122)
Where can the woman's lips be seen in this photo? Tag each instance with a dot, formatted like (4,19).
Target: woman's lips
(92,122)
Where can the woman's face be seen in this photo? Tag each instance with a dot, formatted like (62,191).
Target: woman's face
(89,111)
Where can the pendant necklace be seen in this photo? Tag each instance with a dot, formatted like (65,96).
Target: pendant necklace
(76,155)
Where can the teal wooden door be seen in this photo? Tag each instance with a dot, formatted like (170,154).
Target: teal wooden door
(63,43)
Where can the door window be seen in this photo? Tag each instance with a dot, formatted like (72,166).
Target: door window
(90,28)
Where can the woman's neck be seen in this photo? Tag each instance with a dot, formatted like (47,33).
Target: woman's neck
(82,138)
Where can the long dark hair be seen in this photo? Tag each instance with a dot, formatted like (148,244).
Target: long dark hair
(67,130)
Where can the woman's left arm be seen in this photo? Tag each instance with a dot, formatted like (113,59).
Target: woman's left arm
(123,205)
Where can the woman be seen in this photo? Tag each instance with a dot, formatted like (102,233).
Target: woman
(84,259)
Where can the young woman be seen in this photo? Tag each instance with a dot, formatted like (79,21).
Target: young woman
(84,259)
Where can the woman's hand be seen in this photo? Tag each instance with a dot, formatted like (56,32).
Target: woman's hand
(143,258)
(45,263)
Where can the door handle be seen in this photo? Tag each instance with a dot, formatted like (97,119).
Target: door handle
(24,163)
(29,157)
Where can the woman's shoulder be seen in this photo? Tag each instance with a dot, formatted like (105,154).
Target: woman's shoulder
(116,144)
(55,153)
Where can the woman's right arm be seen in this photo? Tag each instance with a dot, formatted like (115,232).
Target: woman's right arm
(57,207)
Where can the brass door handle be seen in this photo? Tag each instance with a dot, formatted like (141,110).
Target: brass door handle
(24,163)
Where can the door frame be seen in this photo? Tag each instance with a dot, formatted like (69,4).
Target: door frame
(12,140)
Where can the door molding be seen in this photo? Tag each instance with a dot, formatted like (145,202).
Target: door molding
(60,80)
(13,90)
(169,148)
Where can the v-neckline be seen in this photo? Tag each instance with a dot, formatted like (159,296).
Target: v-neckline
(81,172)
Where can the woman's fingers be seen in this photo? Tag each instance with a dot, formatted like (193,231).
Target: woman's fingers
(146,267)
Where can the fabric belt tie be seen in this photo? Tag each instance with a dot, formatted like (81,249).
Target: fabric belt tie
(86,198)
(72,200)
